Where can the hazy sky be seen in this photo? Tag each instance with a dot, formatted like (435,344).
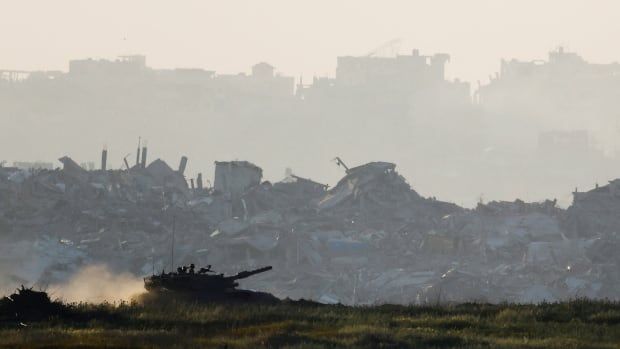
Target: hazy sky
(302,37)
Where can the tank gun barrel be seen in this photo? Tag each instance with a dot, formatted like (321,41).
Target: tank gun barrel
(245,274)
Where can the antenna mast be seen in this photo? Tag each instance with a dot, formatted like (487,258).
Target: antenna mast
(174,218)
(138,152)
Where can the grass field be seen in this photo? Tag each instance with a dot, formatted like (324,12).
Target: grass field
(576,324)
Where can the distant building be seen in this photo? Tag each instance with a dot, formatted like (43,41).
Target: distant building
(263,82)
(263,70)
(596,211)
(561,64)
(398,81)
(121,67)
(539,95)
(565,80)
(407,71)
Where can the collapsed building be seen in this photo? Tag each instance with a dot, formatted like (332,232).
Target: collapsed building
(369,239)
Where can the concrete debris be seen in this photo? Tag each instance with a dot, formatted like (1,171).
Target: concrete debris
(369,239)
(235,177)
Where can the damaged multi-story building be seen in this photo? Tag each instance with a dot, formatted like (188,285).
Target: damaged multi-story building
(403,79)
(596,211)
(564,93)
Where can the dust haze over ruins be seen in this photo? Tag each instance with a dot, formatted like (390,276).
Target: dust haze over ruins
(454,150)
(388,176)
(536,130)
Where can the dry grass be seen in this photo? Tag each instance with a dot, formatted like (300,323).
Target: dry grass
(576,324)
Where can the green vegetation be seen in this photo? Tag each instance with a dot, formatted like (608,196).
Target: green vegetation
(575,324)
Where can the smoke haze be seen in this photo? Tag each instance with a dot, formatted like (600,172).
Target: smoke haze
(302,40)
(97,284)
(301,37)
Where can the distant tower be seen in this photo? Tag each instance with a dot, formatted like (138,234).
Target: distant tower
(104,159)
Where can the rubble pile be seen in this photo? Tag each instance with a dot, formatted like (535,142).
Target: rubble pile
(369,239)
(27,304)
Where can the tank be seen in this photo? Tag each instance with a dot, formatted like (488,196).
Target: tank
(203,283)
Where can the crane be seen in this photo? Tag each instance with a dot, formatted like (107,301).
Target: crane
(389,48)
(339,162)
